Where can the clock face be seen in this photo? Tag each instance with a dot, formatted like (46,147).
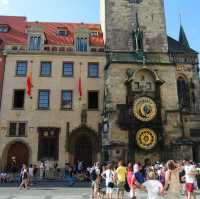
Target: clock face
(144,109)
(146,139)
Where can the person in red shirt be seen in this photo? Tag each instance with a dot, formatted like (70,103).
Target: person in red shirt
(131,181)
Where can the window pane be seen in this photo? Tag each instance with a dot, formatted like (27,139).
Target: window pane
(93,100)
(13,129)
(45,69)
(43,100)
(81,44)
(35,43)
(68,69)
(21,68)
(18,99)
(93,70)
(66,99)
(22,129)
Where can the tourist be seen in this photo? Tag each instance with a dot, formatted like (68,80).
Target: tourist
(131,181)
(24,177)
(190,179)
(161,174)
(35,170)
(147,167)
(4,177)
(47,169)
(140,178)
(13,169)
(182,178)
(153,187)
(108,175)
(121,179)
(95,179)
(30,174)
(198,176)
(41,170)
(172,182)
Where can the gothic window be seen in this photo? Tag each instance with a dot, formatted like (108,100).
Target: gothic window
(81,44)
(35,42)
(183,93)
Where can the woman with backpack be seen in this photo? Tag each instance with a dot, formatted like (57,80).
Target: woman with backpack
(109,176)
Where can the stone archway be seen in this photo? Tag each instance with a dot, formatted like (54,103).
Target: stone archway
(19,150)
(83,145)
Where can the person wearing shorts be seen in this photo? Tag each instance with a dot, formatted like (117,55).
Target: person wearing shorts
(190,179)
(108,175)
(121,180)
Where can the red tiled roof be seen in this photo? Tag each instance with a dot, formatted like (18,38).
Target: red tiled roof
(18,25)
(16,32)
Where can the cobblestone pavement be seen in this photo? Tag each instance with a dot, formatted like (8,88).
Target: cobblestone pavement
(51,193)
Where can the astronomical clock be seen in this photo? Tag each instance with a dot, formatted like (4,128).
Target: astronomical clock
(145,110)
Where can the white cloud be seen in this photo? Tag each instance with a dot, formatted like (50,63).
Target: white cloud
(4,7)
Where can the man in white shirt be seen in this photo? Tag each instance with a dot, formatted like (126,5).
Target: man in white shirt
(153,187)
(190,179)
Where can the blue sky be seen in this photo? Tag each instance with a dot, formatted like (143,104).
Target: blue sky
(88,11)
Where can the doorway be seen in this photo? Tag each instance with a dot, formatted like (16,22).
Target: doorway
(20,152)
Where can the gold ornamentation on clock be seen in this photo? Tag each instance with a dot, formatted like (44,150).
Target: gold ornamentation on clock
(144,109)
(146,138)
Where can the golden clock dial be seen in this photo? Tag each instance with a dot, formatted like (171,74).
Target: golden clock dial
(144,109)
(146,138)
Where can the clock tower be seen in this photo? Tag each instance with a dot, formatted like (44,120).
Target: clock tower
(119,19)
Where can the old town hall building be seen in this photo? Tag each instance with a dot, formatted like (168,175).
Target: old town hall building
(122,89)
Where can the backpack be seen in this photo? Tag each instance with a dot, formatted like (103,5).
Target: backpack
(25,175)
(93,175)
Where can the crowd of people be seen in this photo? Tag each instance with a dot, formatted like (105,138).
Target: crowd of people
(112,180)
(159,180)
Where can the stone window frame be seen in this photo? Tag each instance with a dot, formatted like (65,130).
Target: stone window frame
(71,101)
(98,105)
(15,108)
(38,101)
(17,129)
(17,65)
(68,62)
(50,72)
(93,76)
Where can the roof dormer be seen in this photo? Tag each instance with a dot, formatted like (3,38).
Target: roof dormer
(62,31)
(36,38)
(4,28)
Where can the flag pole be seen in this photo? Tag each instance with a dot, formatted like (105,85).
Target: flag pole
(80,83)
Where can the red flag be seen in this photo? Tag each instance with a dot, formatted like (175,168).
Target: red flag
(80,90)
(29,84)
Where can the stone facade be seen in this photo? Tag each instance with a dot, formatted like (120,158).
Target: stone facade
(54,117)
(118,20)
(151,72)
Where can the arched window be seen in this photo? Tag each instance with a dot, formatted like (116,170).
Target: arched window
(183,93)
(81,44)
